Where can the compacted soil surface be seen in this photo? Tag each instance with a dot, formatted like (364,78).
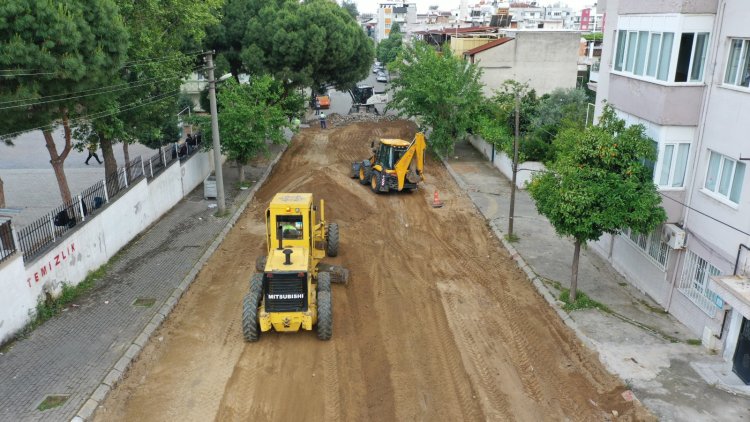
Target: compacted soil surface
(436,323)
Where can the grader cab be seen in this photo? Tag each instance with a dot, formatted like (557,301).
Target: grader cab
(292,289)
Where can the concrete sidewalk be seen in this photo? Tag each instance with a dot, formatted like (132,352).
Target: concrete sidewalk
(637,341)
(81,353)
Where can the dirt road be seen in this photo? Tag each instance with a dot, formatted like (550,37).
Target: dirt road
(436,323)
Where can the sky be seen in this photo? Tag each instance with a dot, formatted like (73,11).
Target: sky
(365,6)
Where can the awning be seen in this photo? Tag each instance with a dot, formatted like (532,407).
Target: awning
(734,290)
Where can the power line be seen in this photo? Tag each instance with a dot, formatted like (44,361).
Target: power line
(87,93)
(160,59)
(99,115)
(705,215)
(127,84)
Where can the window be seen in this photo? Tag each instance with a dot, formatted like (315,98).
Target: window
(738,66)
(673,165)
(644,53)
(691,57)
(649,54)
(724,177)
(291,226)
(694,283)
(650,244)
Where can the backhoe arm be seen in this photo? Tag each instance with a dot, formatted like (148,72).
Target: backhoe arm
(417,148)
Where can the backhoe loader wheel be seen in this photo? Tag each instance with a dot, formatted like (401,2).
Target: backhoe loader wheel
(325,316)
(332,246)
(374,181)
(324,282)
(250,327)
(260,263)
(364,174)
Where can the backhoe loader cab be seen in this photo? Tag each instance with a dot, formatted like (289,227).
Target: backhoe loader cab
(395,164)
(290,292)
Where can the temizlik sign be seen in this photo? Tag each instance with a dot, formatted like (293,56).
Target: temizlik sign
(288,296)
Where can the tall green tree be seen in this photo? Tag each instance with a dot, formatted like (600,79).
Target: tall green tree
(351,8)
(441,90)
(303,44)
(599,184)
(50,50)
(249,116)
(389,48)
(145,110)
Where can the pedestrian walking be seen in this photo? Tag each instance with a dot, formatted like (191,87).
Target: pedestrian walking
(317,106)
(322,120)
(92,153)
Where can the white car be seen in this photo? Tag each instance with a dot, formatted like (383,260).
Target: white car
(382,77)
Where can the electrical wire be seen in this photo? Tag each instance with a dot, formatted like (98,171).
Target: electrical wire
(99,115)
(91,92)
(705,215)
(161,58)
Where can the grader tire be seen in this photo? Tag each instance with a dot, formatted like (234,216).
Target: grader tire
(260,263)
(332,246)
(324,282)
(256,282)
(325,316)
(250,327)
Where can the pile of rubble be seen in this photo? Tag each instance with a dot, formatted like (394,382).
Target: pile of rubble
(336,119)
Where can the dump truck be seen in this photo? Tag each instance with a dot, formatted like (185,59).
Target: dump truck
(395,165)
(292,289)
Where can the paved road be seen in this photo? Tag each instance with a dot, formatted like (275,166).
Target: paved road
(29,182)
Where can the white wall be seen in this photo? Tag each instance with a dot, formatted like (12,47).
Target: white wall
(504,163)
(93,242)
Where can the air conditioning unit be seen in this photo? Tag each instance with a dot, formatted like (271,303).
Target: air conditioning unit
(673,236)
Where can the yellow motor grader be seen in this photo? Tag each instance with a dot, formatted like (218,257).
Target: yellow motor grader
(395,164)
(292,289)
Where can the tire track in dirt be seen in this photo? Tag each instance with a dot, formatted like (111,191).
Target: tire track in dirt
(436,323)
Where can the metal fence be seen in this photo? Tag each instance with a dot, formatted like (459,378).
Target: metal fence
(40,235)
(7,243)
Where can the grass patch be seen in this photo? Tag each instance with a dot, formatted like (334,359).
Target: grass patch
(48,308)
(512,238)
(244,184)
(51,402)
(694,342)
(583,301)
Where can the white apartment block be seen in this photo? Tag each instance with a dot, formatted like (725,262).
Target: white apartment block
(682,69)
(394,12)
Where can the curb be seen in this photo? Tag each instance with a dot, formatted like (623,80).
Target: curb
(526,268)
(120,368)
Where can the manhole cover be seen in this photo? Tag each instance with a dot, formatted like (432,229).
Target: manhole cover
(52,401)
(145,302)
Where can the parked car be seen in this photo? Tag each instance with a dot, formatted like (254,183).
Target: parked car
(377,68)
(382,77)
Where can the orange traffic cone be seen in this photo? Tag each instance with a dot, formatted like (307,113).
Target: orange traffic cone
(436,202)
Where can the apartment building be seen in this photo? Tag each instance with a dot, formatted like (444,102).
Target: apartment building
(390,13)
(682,69)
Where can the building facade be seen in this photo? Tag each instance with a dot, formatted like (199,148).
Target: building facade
(682,69)
(390,13)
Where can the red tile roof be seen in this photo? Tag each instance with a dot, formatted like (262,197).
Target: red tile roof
(487,46)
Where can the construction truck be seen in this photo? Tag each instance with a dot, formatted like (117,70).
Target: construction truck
(292,289)
(364,96)
(395,164)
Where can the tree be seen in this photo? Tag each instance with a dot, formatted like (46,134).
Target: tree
(48,51)
(303,44)
(442,90)
(249,115)
(389,48)
(351,8)
(146,110)
(599,184)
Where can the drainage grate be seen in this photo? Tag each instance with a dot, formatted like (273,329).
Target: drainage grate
(145,302)
(52,401)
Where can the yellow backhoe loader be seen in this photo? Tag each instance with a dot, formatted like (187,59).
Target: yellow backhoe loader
(395,164)
(292,290)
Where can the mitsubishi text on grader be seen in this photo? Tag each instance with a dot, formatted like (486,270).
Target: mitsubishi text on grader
(292,290)
(395,164)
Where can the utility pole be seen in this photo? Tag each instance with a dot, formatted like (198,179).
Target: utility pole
(515,170)
(215,134)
